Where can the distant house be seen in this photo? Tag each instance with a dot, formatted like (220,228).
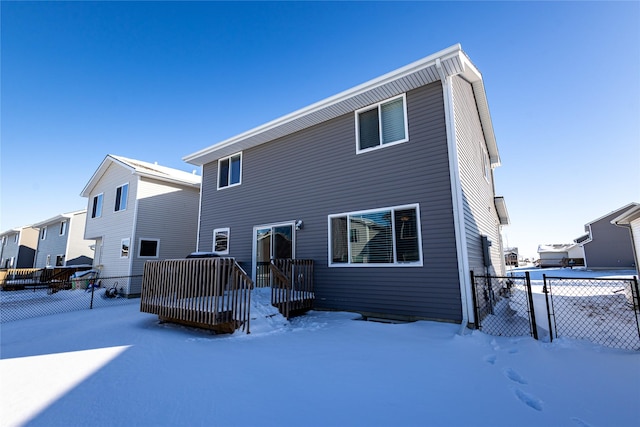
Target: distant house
(605,245)
(139,211)
(18,247)
(630,219)
(61,241)
(511,256)
(559,254)
(387,187)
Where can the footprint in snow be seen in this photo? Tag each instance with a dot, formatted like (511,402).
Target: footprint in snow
(514,376)
(491,359)
(580,423)
(529,400)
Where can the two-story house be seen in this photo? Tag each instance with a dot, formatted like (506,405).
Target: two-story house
(18,247)
(139,211)
(61,241)
(387,186)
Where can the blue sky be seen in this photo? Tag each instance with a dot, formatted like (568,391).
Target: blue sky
(157,81)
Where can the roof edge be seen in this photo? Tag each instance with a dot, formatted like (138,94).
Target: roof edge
(452,51)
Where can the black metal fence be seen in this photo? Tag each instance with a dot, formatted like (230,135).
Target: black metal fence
(603,311)
(504,305)
(35,298)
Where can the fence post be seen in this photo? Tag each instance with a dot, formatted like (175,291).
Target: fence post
(476,314)
(532,316)
(635,300)
(92,284)
(546,294)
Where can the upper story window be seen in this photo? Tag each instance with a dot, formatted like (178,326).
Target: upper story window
(149,248)
(230,171)
(384,237)
(59,260)
(485,163)
(16,237)
(63,228)
(121,197)
(221,241)
(382,124)
(96,208)
(43,233)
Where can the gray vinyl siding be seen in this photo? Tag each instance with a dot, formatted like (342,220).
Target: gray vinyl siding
(315,172)
(52,245)
(611,246)
(78,249)
(480,215)
(168,213)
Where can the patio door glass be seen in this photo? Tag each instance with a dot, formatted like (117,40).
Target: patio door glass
(271,242)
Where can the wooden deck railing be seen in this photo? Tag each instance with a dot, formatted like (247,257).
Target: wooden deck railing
(17,278)
(211,293)
(292,285)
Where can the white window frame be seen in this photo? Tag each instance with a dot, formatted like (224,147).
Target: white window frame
(63,260)
(485,162)
(43,233)
(215,233)
(16,237)
(349,264)
(229,173)
(125,199)
(123,253)
(48,261)
(98,213)
(140,240)
(378,106)
(63,227)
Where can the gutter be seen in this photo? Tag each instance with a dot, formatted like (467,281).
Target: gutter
(456,197)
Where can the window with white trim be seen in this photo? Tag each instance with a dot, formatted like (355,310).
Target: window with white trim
(96,208)
(63,228)
(382,124)
(230,171)
(124,247)
(380,237)
(48,261)
(43,233)
(59,260)
(121,197)
(221,241)
(149,248)
(16,238)
(485,162)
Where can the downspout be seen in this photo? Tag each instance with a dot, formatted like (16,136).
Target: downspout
(456,197)
(199,209)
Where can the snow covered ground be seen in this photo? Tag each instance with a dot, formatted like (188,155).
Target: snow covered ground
(118,367)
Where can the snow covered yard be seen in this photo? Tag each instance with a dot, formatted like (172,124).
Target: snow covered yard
(119,367)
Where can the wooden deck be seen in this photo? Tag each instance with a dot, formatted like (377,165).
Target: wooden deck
(292,286)
(211,293)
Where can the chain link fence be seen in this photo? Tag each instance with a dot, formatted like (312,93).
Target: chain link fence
(504,305)
(603,311)
(29,298)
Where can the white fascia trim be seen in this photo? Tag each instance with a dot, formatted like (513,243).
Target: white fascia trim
(444,54)
(466,299)
(199,212)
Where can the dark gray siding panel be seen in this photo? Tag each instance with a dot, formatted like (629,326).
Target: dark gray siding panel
(480,215)
(316,172)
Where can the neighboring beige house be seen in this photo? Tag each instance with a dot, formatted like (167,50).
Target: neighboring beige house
(139,211)
(630,219)
(552,255)
(18,247)
(61,241)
